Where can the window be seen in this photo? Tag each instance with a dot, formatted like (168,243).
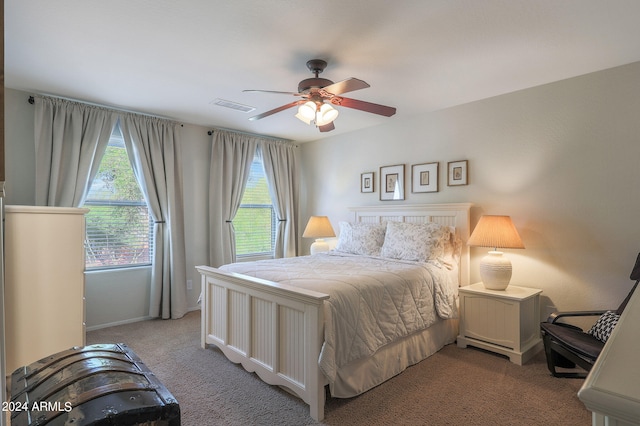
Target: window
(255,222)
(119,227)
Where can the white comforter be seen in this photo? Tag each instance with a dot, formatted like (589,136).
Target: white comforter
(373,301)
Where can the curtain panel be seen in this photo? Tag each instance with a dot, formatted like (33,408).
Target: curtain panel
(70,138)
(280,161)
(231,157)
(154,153)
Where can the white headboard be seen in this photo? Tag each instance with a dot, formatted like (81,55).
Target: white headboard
(455,214)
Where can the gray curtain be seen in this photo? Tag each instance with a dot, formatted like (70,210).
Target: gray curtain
(281,168)
(231,157)
(152,145)
(70,138)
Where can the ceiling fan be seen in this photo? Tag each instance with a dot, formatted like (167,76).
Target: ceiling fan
(318,95)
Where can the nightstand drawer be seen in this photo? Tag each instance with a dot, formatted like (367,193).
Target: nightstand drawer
(490,320)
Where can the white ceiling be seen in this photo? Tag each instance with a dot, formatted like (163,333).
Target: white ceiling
(172,58)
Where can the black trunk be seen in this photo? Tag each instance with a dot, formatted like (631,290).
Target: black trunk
(93,385)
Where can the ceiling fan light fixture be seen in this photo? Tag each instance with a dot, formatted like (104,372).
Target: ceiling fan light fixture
(302,118)
(326,115)
(308,110)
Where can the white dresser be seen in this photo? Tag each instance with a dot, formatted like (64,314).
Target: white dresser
(44,282)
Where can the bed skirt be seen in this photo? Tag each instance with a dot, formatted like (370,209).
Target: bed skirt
(393,359)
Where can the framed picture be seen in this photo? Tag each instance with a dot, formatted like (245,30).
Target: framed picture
(366,182)
(392,182)
(457,173)
(424,177)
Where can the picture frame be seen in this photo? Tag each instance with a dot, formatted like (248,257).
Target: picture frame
(424,177)
(367,182)
(392,182)
(457,173)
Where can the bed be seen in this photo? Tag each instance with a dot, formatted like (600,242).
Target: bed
(314,321)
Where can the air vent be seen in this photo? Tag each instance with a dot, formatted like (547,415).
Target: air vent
(232,105)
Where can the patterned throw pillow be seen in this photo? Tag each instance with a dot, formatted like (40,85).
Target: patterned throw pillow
(602,329)
(361,238)
(417,242)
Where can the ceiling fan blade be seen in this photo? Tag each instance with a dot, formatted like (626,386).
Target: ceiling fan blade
(344,86)
(273,111)
(387,111)
(327,127)
(274,91)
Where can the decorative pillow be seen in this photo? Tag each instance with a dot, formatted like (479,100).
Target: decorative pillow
(361,238)
(602,329)
(415,241)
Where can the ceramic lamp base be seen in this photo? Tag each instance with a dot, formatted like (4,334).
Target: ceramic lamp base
(319,246)
(495,271)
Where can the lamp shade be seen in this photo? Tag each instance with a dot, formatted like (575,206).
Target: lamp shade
(318,227)
(496,232)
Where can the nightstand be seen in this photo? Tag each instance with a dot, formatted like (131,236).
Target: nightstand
(501,321)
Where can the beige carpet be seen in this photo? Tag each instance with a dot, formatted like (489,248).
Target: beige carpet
(453,387)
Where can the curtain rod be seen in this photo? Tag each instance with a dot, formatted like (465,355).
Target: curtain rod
(210,132)
(32,101)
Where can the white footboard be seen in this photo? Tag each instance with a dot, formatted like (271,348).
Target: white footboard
(271,329)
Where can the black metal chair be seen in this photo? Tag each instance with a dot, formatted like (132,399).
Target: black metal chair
(566,345)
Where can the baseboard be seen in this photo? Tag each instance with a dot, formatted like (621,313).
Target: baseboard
(132,320)
(113,324)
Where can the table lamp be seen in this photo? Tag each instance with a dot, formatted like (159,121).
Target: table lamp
(496,232)
(319,227)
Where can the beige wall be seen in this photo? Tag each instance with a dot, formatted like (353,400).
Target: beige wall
(561,159)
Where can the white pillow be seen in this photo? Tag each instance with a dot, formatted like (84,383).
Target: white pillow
(361,238)
(417,242)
